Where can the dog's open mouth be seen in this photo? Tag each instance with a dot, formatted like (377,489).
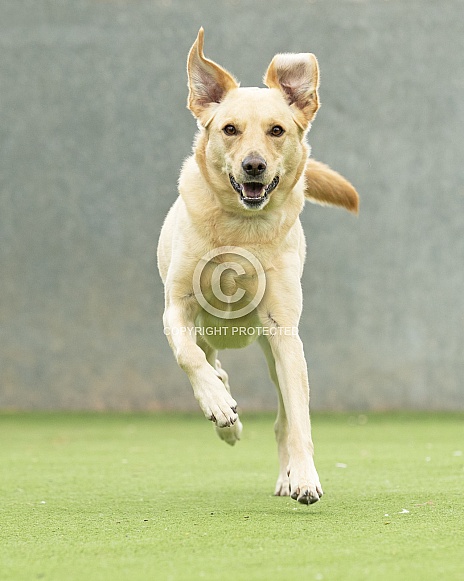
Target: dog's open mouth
(253,194)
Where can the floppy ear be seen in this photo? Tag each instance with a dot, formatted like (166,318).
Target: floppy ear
(208,82)
(297,76)
(327,187)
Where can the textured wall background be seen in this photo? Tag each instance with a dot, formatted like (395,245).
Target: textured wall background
(93,130)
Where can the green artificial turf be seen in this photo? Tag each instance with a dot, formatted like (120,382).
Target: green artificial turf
(129,497)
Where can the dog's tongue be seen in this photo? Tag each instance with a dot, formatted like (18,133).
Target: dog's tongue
(253,190)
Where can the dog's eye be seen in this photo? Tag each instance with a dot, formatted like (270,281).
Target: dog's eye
(277,131)
(230,130)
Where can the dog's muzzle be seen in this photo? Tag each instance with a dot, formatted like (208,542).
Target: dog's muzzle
(253,194)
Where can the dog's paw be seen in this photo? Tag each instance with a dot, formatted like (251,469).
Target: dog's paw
(218,406)
(306,494)
(231,434)
(223,414)
(306,489)
(282,486)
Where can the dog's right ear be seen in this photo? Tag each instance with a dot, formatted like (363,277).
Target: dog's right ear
(208,83)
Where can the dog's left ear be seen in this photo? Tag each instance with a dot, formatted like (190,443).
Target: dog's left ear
(208,82)
(297,77)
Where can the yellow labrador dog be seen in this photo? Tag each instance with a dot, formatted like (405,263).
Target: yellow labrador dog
(232,248)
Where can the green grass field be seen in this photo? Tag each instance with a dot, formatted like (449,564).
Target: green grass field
(129,497)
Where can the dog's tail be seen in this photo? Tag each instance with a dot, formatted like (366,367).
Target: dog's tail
(326,187)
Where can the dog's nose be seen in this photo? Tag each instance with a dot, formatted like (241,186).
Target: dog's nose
(254,165)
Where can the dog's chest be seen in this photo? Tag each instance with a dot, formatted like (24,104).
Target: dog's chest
(229,281)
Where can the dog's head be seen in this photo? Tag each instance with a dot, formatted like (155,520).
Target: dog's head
(252,148)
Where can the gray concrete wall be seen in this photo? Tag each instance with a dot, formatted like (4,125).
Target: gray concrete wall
(93,129)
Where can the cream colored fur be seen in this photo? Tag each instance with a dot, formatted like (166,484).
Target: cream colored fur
(210,214)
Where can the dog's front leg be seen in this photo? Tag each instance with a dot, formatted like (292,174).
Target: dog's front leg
(293,381)
(280,319)
(215,401)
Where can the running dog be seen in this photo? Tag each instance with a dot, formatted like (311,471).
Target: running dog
(232,248)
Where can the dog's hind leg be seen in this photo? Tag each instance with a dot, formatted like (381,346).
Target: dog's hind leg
(281,425)
(232,433)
